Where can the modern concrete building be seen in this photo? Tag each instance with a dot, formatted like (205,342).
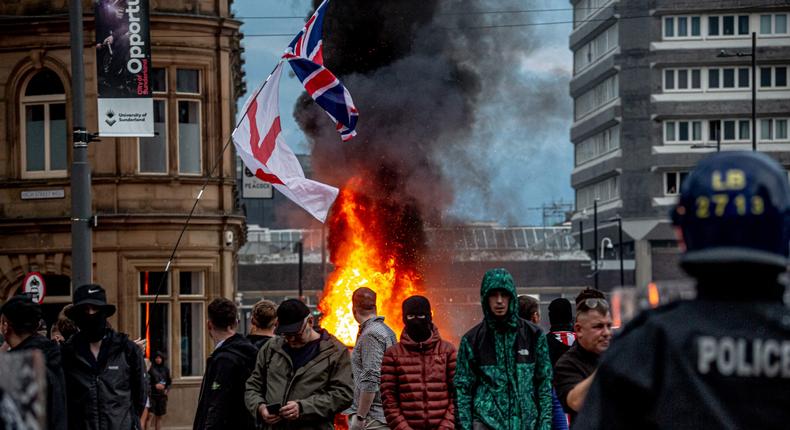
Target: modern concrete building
(652,95)
(142,189)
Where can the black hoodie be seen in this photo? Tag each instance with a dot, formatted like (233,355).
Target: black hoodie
(221,404)
(56,385)
(159,373)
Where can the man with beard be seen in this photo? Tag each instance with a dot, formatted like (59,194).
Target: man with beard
(302,378)
(575,370)
(105,371)
(417,374)
(19,318)
(503,373)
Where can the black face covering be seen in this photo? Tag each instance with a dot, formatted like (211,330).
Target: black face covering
(93,326)
(419,329)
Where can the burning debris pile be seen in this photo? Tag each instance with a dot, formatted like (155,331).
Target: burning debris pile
(370,251)
(418,84)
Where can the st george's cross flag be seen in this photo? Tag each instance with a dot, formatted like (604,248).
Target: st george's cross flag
(261,146)
(305,55)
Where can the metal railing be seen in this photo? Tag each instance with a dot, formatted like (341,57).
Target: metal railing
(278,245)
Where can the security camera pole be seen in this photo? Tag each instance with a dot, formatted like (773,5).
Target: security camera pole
(81,243)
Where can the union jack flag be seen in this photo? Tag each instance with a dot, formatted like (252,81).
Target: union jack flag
(329,93)
(308,42)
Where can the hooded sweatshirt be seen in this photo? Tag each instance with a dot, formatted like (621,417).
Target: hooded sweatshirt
(160,374)
(503,374)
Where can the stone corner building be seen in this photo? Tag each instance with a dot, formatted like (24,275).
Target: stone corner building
(142,189)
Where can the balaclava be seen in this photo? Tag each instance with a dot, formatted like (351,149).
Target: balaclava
(93,327)
(419,329)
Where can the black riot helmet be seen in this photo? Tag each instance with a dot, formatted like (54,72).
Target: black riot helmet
(734,208)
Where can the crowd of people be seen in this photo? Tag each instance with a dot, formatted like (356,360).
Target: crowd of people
(719,361)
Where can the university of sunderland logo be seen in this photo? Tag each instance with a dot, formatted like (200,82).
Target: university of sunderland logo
(110,118)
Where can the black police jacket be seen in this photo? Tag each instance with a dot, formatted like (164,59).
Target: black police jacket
(695,364)
(56,385)
(108,393)
(221,404)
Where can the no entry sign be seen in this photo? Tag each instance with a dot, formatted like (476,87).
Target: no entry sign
(34,284)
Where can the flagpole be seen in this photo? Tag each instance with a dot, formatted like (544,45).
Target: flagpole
(205,184)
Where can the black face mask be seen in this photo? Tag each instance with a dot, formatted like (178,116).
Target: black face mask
(93,326)
(419,330)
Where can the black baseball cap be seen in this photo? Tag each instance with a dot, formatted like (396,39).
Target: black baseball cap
(290,315)
(22,311)
(90,294)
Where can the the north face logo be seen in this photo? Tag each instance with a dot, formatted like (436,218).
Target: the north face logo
(524,352)
(215,385)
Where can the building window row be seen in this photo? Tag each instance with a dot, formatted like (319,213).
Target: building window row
(773,24)
(718,26)
(44,129)
(584,9)
(603,191)
(673,182)
(723,78)
(728,130)
(596,97)
(773,129)
(773,76)
(598,145)
(174,315)
(595,49)
(153,151)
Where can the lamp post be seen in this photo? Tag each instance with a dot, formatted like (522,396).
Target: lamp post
(753,54)
(299,250)
(595,240)
(81,240)
(620,246)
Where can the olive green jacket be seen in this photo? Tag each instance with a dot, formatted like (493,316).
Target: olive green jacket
(322,387)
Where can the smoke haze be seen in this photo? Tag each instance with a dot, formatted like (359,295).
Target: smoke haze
(458,119)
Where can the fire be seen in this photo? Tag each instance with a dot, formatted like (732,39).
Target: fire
(362,258)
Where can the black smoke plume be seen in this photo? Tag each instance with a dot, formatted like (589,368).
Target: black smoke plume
(427,77)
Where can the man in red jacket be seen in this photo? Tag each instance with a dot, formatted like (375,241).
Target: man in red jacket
(417,374)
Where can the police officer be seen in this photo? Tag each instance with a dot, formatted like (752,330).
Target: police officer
(722,360)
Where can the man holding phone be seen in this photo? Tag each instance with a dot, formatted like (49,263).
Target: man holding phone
(301,378)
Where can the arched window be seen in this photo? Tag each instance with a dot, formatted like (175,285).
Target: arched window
(44,132)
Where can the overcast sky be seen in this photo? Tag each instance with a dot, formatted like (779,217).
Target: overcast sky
(527,156)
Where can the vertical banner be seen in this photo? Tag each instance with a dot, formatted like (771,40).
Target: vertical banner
(123,63)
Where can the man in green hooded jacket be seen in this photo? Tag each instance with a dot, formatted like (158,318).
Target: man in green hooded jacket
(503,374)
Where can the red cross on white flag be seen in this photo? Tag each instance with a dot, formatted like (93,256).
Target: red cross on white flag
(262,148)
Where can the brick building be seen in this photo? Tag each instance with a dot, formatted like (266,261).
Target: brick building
(142,189)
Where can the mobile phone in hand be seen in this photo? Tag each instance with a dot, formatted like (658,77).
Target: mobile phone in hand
(273,409)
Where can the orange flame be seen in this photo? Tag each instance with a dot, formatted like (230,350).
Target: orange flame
(361,260)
